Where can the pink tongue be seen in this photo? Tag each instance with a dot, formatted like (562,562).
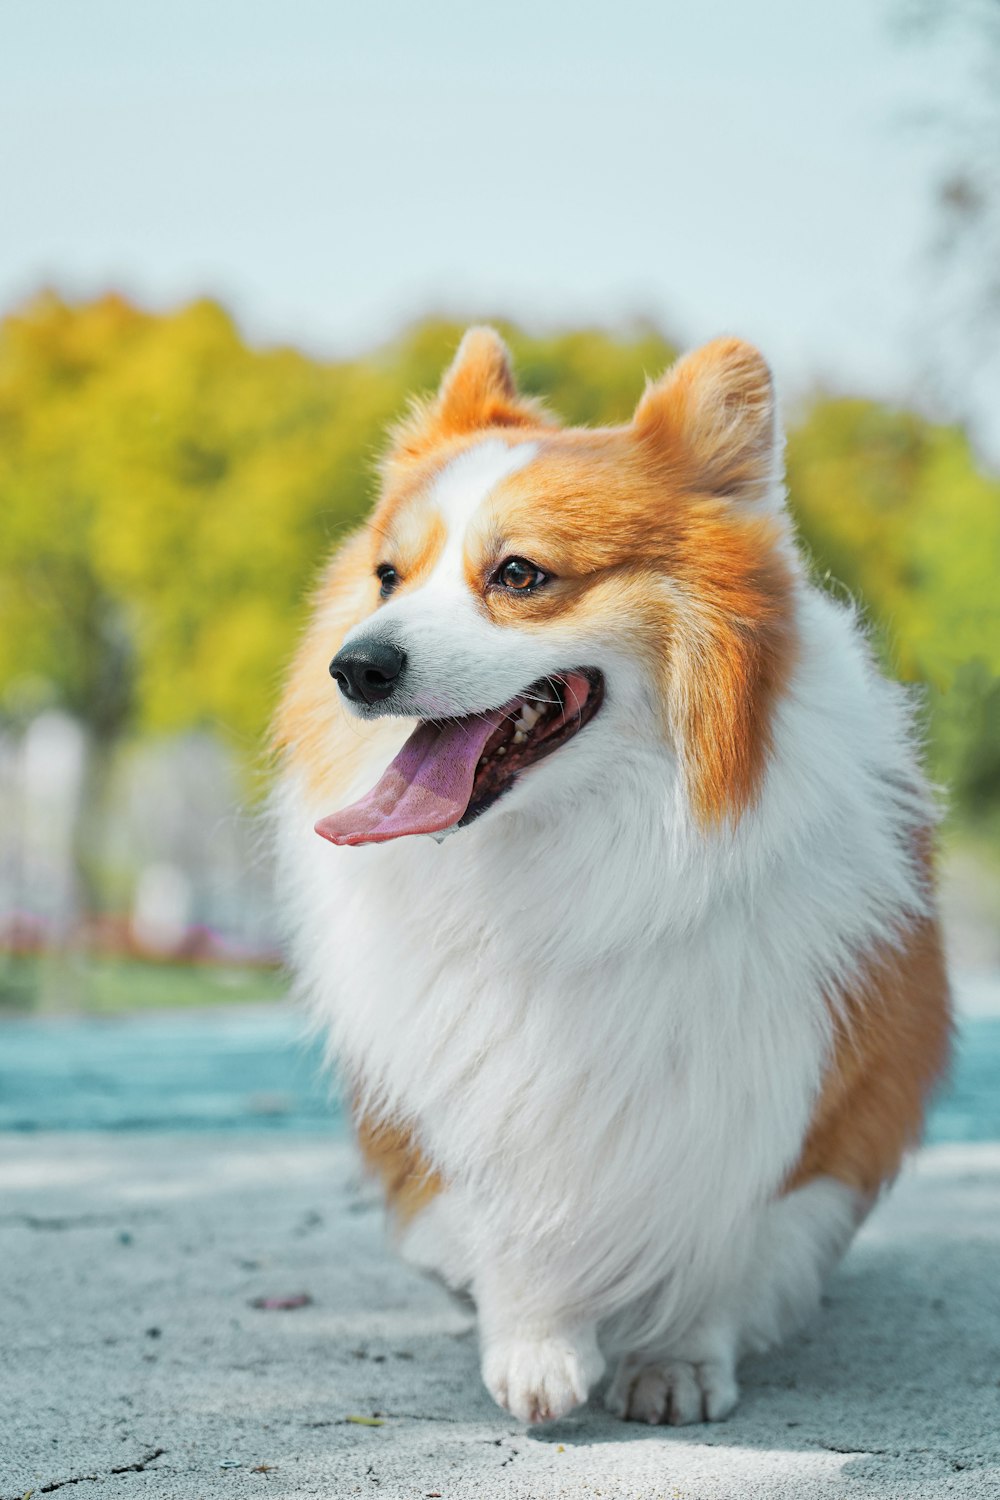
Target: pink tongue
(427,787)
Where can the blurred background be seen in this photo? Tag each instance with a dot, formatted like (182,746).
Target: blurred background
(237,237)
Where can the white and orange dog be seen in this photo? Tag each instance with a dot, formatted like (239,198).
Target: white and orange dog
(638,1033)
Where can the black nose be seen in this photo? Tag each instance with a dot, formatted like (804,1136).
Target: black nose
(368,671)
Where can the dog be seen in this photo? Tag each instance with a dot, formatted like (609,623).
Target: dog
(639,1028)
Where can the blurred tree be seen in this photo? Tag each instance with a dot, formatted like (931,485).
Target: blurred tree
(64,632)
(167,494)
(223,474)
(895,509)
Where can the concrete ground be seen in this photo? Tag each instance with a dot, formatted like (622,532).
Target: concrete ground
(133,1362)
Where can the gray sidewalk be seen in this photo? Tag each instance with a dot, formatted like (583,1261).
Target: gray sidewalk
(132,1362)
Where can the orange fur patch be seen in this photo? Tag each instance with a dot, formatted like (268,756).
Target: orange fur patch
(411,533)
(892,1046)
(391,1154)
(731,657)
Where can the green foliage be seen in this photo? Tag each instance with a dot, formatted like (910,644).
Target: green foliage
(896,510)
(169,487)
(167,493)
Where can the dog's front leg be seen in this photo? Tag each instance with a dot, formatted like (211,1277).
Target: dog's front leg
(537,1361)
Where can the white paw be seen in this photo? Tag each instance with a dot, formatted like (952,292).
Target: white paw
(538,1380)
(673,1390)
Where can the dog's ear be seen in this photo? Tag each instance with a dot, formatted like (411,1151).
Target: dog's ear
(477,391)
(709,426)
(478,387)
(712,419)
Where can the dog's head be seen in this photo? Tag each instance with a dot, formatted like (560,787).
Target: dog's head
(544,599)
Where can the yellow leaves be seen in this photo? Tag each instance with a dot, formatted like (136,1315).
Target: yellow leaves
(898,511)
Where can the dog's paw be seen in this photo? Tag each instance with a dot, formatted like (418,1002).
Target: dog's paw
(673,1390)
(538,1380)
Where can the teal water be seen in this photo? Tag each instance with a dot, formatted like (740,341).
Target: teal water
(252,1070)
(187,1070)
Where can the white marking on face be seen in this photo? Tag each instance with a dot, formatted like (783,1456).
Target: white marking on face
(465,485)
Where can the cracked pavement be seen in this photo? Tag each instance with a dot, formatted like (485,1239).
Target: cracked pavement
(132,1362)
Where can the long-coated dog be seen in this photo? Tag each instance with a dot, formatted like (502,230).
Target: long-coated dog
(623,931)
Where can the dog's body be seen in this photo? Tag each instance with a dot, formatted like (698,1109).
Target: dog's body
(634,1048)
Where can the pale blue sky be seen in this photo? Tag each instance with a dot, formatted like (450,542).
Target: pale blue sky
(330,171)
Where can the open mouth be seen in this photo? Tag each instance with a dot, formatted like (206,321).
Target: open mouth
(451,770)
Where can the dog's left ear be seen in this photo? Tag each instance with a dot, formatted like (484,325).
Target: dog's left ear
(477,389)
(477,392)
(712,419)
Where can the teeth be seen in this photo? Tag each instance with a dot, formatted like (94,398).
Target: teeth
(520,738)
(527,719)
(501,750)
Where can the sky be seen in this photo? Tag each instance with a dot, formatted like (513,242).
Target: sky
(331,171)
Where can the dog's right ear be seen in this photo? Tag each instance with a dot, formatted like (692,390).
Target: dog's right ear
(477,391)
(712,420)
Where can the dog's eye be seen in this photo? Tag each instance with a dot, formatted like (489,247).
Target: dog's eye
(388,577)
(520,575)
